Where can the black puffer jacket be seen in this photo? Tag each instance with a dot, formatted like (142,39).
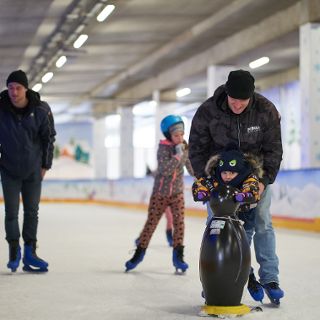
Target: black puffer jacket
(26,140)
(256,130)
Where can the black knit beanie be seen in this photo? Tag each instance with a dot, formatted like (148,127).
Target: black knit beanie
(18,76)
(240,84)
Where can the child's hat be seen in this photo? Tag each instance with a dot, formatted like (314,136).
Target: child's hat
(232,159)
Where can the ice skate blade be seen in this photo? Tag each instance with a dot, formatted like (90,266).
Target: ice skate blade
(28,268)
(275,302)
(180,272)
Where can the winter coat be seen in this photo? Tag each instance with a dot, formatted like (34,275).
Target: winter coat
(169,175)
(256,130)
(26,139)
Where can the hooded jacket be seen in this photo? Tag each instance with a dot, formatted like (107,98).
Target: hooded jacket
(26,139)
(256,130)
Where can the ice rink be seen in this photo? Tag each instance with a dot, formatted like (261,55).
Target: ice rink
(87,246)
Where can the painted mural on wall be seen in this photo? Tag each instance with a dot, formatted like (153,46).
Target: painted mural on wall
(73,152)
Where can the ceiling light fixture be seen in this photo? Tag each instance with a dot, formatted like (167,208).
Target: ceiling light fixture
(80,41)
(103,15)
(47,77)
(259,62)
(183,92)
(61,61)
(37,87)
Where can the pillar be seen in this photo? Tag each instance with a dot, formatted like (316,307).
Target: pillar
(126,142)
(310,94)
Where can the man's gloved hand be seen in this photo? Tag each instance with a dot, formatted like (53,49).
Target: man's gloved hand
(179,149)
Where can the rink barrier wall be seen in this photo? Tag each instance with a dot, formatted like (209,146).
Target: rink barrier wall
(295,196)
(312,225)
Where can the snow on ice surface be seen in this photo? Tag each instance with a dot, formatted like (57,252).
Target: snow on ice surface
(87,247)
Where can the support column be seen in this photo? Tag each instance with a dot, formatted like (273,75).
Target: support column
(158,116)
(310,94)
(99,149)
(126,142)
(216,76)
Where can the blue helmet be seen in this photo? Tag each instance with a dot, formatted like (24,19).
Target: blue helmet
(168,122)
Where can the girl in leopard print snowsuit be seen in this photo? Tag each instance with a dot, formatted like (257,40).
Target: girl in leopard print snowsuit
(167,191)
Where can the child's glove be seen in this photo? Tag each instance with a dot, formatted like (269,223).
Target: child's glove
(201,189)
(244,197)
(179,149)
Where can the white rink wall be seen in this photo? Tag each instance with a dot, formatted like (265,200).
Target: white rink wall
(296,194)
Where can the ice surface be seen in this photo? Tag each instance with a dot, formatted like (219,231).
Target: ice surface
(87,247)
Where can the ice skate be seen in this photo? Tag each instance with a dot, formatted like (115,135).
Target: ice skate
(14,256)
(177,259)
(169,237)
(255,288)
(274,292)
(136,259)
(32,263)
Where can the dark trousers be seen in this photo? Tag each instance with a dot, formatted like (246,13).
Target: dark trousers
(30,190)
(248,218)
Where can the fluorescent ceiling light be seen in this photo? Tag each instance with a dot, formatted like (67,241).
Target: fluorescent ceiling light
(61,61)
(259,62)
(103,15)
(183,92)
(37,87)
(47,77)
(80,41)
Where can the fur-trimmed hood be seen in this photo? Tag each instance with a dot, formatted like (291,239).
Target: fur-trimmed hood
(254,161)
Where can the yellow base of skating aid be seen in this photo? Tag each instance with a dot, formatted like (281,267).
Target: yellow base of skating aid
(226,310)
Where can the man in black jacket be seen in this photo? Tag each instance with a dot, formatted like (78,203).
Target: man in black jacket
(236,114)
(27,135)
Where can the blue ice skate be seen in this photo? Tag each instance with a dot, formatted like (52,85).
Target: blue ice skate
(136,259)
(177,259)
(274,292)
(255,288)
(14,256)
(169,237)
(32,263)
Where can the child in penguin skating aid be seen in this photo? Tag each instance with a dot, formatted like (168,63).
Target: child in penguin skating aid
(167,191)
(232,167)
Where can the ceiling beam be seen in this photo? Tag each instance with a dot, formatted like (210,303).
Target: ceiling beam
(278,79)
(178,42)
(267,30)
